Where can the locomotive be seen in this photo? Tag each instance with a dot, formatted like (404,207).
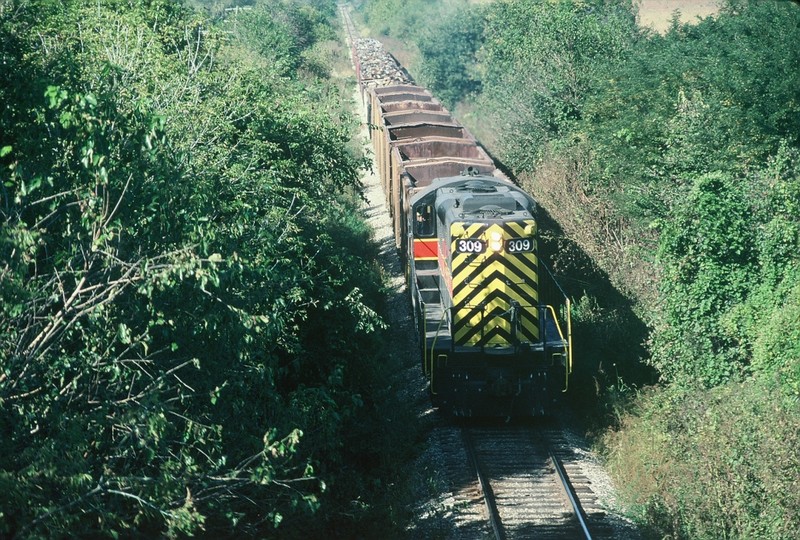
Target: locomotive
(494,325)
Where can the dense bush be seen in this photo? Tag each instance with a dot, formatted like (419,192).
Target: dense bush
(731,269)
(189,319)
(398,18)
(707,250)
(537,61)
(721,463)
(448,56)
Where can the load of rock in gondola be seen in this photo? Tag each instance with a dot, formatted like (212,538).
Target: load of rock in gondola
(377,65)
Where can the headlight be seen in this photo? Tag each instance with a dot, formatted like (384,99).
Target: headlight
(495,241)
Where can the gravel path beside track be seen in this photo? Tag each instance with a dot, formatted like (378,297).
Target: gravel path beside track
(404,344)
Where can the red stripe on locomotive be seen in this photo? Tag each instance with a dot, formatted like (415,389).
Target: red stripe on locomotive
(426,250)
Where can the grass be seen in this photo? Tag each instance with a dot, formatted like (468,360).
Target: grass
(708,464)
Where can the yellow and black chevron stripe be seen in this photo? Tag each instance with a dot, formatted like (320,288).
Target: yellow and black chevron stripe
(495,294)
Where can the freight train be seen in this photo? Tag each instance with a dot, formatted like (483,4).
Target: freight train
(494,326)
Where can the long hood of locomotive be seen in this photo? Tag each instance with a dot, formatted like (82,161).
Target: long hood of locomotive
(490,268)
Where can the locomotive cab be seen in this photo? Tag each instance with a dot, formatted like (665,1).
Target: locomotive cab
(491,344)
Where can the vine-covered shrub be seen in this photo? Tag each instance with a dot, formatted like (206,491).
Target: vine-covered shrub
(189,310)
(719,463)
(708,253)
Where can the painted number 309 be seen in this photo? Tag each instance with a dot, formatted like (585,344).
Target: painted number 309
(518,246)
(470,246)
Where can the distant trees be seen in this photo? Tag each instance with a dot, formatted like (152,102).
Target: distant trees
(538,61)
(448,52)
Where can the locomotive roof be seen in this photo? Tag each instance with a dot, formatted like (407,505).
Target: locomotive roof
(480,186)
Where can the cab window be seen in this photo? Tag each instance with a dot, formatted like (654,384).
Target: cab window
(423,220)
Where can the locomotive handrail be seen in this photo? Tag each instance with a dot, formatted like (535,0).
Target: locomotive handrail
(568,315)
(553,279)
(569,344)
(568,341)
(424,314)
(433,347)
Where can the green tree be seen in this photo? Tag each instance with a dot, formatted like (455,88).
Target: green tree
(767,321)
(537,61)
(183,282)
(708,256)
(448,53)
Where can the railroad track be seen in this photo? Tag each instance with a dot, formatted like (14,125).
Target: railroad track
(526,480)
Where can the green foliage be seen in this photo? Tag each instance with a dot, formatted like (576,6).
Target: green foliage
(411,20)
(448,53)
(281,31)
(768,318)
(707,252)
(190,317)
(538,59)
(607,366)
(730,263)
(722,463)
(718,95)
(776,347)
(397,18)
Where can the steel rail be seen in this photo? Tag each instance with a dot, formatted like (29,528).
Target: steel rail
(486,488)
(573,499)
